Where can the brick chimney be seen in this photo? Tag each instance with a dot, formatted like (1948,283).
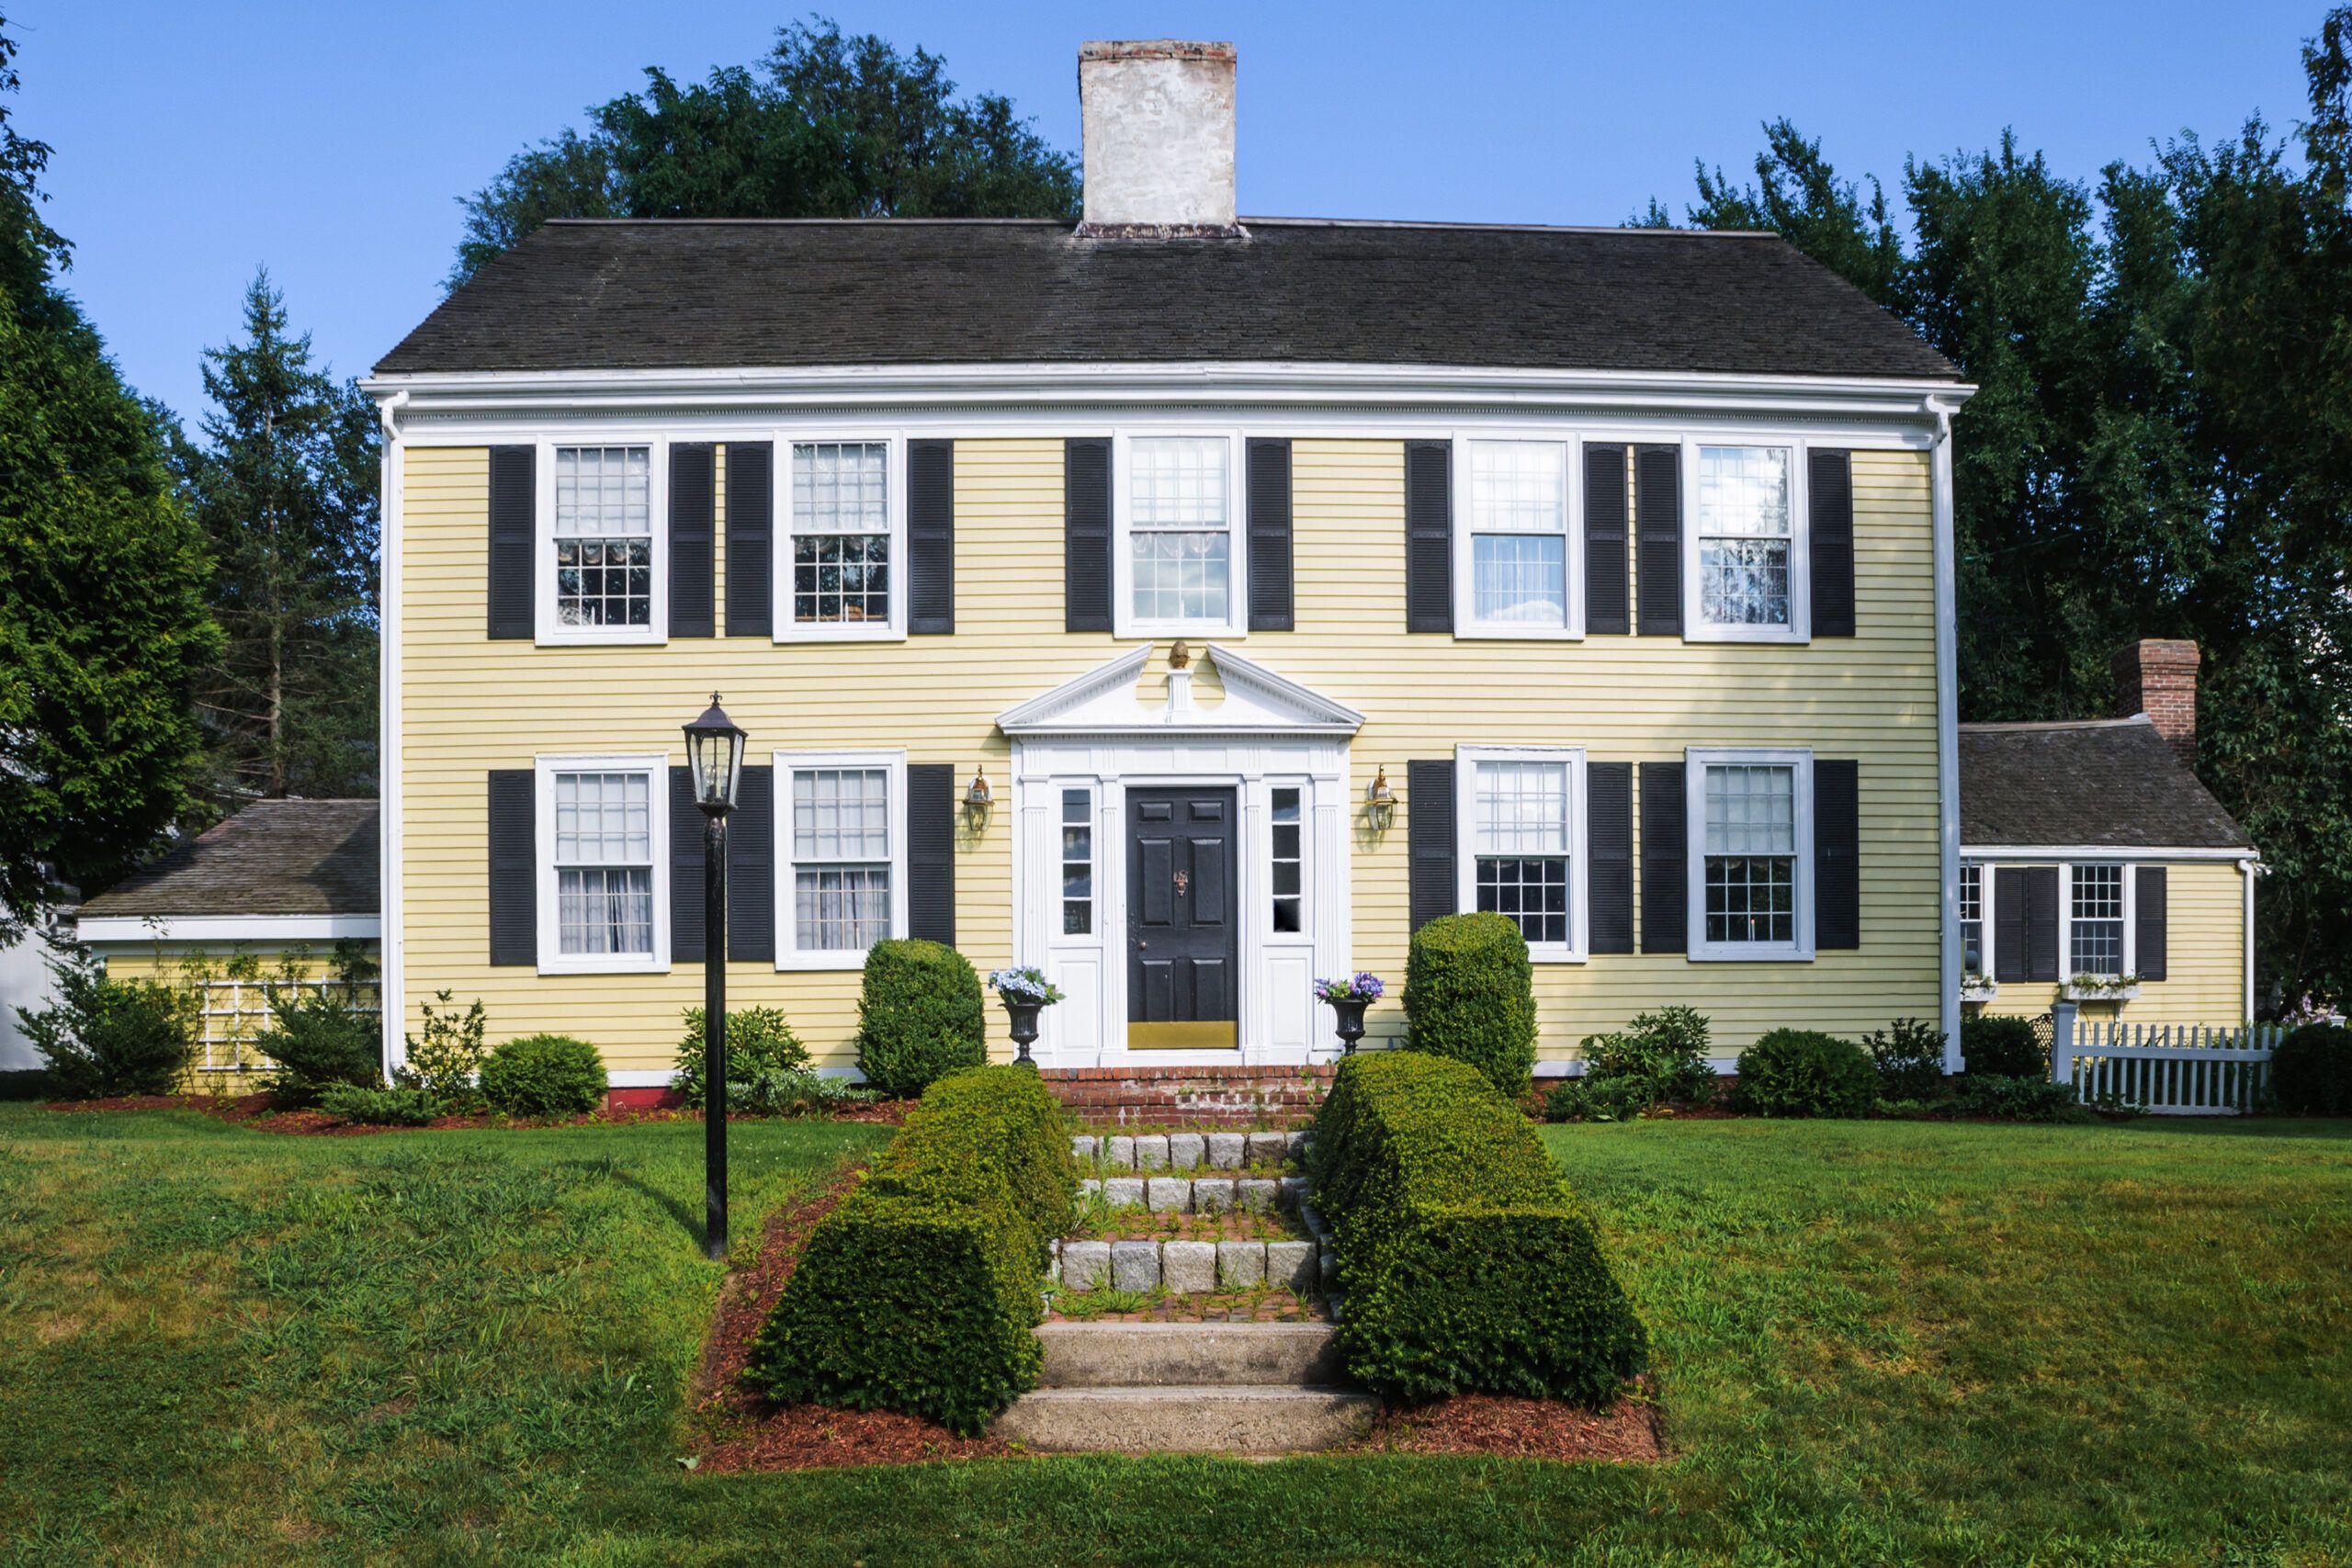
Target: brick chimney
(1156,120)
(2157,676)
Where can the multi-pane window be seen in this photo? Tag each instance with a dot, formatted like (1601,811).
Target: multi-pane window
(841,532)
(1745,529)
(1972,919)
(604,536)
(2097,920)
(1751,853)
(604,863)
(1180,532)
(841,858)
(1289,864)
(1077,863)
(1518,532)
(1519,839)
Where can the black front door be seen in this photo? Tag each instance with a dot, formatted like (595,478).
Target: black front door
(1182,945)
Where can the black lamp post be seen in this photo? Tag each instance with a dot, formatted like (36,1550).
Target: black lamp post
(715,755)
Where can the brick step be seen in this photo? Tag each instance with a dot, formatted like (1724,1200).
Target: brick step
(1268,1418)
(1188,1355)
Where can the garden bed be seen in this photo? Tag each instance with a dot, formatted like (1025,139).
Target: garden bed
(1625,1433)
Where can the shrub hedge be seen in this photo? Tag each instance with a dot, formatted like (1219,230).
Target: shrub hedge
(2004,1047)
(919,1016)
(1467,1265)
(1801,1072)
(1470,995)
(2311,1073)
(398,1106)
(544,1074)
(921,1291)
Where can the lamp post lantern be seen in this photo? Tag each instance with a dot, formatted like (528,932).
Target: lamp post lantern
(714,759)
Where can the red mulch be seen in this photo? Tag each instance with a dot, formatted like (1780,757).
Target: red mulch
(1521,1428)
(255,1110)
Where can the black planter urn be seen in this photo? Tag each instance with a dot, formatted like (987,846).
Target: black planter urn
(1024,1016)
(1351,1021)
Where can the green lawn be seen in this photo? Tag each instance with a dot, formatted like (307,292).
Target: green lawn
(1878,1343)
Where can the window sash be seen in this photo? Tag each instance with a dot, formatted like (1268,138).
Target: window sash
(1515,566)
(602,533)
(842,848)
(1519,843)
(2096,913)
(842,557)
(1745,546)
(1750,849)
(1077,863)
(1286,842)
(602,828)
(1178,512)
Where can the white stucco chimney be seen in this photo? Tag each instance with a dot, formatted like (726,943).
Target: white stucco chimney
(1157,119)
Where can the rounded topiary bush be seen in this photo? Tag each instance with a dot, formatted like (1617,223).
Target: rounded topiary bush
(2002,1047)
(2311,1072)
(544,1074)
(1470,995)
(919,1016)
(1801,1072)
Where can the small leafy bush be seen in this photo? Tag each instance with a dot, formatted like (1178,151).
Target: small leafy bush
(1659,1056)
(1997,1097)
(1909,1057)
(2003,1047)
(2311,1073)
(318,1039)
(395,1107)
(544,1074)
(919,1016)
(1468,1266)
(759,1040)
(445,1055)
(790,1091)
(1470,996)
(920,1292)
(1596,1100)
(103,1038)
(1801,1072)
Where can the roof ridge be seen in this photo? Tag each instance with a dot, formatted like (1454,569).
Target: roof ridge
(1986,725)
(1628,231)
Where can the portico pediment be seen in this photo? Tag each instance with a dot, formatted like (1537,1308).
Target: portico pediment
(1109,701)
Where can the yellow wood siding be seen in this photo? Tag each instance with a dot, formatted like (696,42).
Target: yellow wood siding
(182,965)
(2204,956)
(468,705)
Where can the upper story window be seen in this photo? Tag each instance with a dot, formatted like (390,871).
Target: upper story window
(1518,575)
(841,567)
(843,885)
(604,536)
(1744,556)
(604,845)
(1179,558)
(1521,857)
(1751,854)
(1289,862)
(2095,911)
(1972,957)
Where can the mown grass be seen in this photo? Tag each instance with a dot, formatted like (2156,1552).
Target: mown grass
(1877,1343)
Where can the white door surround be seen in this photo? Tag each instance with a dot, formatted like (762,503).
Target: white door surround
(1094,735)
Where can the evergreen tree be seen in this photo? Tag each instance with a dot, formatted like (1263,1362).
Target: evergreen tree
(284,486)
(828,127)
(102,617)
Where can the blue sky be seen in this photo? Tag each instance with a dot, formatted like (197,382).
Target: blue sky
(329,140)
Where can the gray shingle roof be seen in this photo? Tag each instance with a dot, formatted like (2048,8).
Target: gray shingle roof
(275,857)
(695,294)
(2103,782)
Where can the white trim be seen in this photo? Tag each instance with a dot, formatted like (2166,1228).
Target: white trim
(550,630)
(1577,948)
(2128,881)
(1467,627)
(1696,761)
(1125,622)
(1696,627)
(786,629)
(2048,854)
(393,956)
(228,928)
(1104,702)
(2247,870)
(655,766)
(788,954)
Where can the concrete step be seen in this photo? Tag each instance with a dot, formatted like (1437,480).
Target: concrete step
(1270,1419)
(1188,1355)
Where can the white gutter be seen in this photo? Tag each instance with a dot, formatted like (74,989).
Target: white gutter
(226,927)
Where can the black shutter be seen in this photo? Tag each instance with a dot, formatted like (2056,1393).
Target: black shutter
(931,537)
(751,537)
(1429,813)
(1665,857)
(751,868)
(931,851)
(514,532)
(2149,923)
(1657,525)
(1837,854)
(1428,537)
(1830,490)
(1609,839)
(692,471)
(514,867)
(2009,923)
(2041,922)
(1270,587)
(1606,542)
(1086,535)
(688,941)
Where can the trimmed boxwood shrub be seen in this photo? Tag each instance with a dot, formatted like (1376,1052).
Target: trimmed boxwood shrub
(919,1016)
(1470,995)
(1801,1072)
(544,1074)
(1467,1265)
(919,1292)
(2311,1073)
(2003,1047)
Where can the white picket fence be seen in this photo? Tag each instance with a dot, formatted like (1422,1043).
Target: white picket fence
(2164,1069)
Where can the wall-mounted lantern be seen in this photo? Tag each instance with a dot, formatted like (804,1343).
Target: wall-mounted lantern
(980,800)
(1379,802)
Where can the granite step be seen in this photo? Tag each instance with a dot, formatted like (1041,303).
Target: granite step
(1151,1355)
(1270,1418)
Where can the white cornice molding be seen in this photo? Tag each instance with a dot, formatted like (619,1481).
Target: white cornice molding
(1103,702)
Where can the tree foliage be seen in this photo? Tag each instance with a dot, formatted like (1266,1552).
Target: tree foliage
(827,126)
(2161,443)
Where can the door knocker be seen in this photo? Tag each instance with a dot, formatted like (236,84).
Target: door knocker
(1183,880)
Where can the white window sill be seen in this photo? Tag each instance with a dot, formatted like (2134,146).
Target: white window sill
(1499,632)
(1748,953)
(821,963)
(599,636)
(1699,632)
(1547,953)
(837,631)
(1979,990)
(1152,631)
(605,963)
(2074,993)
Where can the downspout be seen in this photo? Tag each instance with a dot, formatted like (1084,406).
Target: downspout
(391,938)
(2247,870)
(1947,727)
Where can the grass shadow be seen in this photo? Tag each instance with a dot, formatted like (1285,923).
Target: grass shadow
(688,1215)
(2318,1129)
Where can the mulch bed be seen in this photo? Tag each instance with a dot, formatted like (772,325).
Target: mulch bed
(1625,1433)
(256,1111)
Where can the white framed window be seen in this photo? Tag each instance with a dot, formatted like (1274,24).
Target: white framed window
(1521,852)
(1976,956)
(1077,861)
(1750,853)
(1517,570)
(2098,921)
(603,871)
(840,844)
(602,541)
(841,559)
(1745,566)
(1286,845)
(1176,558)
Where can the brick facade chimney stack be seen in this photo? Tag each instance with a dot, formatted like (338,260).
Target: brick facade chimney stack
(2157,676)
